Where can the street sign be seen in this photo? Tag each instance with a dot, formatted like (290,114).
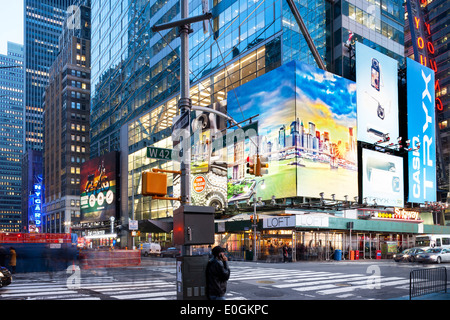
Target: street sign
(159,153)
(133,225)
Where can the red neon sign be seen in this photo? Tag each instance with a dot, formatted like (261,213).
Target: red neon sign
(423,58)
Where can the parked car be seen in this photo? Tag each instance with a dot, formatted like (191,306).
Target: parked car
(150,249)
(5,277)
(437,255)
(171,252)
(408,255)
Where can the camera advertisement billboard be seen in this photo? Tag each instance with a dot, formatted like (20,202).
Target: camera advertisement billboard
(421,132)
(98,188)
(306,133)
(377,95)
(382,179)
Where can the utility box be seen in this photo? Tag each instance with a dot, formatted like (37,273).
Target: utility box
(191,277)
(193,225)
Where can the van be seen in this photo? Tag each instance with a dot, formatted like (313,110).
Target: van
(150,249)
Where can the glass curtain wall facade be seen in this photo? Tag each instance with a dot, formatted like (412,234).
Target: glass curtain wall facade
(375,23)
(43,20)
(11,137)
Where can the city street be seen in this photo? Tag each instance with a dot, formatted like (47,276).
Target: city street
(155,279)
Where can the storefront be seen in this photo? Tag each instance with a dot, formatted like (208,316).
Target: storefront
(313,236)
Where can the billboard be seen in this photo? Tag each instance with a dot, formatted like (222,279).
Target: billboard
(382,178)
(421,132)
(377,95)
(306,130)
(98,188)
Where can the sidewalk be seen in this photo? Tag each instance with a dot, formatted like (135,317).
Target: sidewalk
(427,297)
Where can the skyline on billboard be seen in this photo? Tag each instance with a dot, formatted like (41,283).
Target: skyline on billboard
(306,129)
(421,130)
(377,95)
(98,188)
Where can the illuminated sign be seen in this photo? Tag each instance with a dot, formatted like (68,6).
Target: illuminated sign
(37,204)
(422,46)
(306,130)
(98,188)
(421,132)
(398,214)
(377,95)
(382,182)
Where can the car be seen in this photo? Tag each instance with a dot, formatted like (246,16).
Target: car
(437,255)
(171,252)
(5,277)
(408,254)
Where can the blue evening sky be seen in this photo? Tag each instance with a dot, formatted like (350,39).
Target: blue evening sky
(11,23)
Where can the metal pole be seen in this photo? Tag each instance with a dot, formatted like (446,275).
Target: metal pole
(184,105)
(254,226)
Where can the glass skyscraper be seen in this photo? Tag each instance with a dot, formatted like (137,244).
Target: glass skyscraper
(43,20)
(136,72)
(11,137)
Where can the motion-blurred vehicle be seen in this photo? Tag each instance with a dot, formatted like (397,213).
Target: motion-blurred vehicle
(5,277)
(408,255)
(171,252)
(436,255)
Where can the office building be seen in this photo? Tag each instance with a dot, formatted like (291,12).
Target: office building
(11,137)
(66,124)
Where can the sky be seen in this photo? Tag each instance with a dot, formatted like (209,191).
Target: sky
(11,23)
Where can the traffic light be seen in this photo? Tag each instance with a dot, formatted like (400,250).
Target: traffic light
(251,165)
(262,166)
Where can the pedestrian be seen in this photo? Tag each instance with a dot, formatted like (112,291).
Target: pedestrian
(285,253)
(13,259)
(217,274)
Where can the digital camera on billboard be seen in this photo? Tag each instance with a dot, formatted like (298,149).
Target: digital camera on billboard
(375,72)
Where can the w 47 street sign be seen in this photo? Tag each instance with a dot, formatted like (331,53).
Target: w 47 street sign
(159,153)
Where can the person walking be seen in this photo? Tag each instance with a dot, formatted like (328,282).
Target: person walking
(217,274)
(13,259)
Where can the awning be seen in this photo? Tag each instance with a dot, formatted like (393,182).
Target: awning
(155,226)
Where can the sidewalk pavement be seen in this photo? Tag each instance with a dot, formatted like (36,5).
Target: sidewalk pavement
(427,297)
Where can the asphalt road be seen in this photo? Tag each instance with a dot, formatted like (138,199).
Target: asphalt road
(155,279)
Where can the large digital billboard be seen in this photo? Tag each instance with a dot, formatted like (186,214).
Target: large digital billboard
(98,188)
(377,95)
(306,131)
(421,132)
(382,178)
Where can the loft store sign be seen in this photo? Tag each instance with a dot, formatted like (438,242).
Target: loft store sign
(299,220)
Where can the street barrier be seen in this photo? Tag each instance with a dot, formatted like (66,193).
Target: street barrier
(426,281)
(91,259)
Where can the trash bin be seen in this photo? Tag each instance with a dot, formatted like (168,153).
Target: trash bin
(338,255)
(248,255)
(352,255)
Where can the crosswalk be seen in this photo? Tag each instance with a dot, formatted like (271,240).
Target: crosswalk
(317,283)
(308,282)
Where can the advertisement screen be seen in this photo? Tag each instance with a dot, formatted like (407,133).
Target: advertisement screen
(382,180)
(377,95)
(421,132)
(306,133)
(98,188)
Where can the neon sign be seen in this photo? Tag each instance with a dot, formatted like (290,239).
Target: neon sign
(37,202)
(422,47)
